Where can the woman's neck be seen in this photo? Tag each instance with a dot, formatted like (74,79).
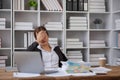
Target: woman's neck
(46,47)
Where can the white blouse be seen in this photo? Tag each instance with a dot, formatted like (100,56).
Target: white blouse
(50,59)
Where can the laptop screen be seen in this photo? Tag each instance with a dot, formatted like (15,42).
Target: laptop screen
(28,62)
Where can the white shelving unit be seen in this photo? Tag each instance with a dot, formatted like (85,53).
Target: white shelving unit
(6,34)
(13,39)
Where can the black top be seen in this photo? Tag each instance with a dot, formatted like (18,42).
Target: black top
(62,57)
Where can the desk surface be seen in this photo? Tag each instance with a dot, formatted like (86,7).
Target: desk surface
(112,75)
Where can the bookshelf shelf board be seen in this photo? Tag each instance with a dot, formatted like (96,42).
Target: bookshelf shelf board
(31,11)
(20,48)
(6,29)
(23,30)
(54,30)
(78,48)
(100,30)
(116,12)
(5,10)
(5,48)
(75,30)
(116,30)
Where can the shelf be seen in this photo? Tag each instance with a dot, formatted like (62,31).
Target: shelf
(5,48)
(99,47)
(54,30)
(23,30)
(100,30)
(78,48)
(31,11)
(6,29)
(5,10)
(116,30)
(20,48)
(116,12)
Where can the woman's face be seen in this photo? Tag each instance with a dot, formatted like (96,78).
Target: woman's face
(42,37)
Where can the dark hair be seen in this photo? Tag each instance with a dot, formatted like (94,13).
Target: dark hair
(38,29)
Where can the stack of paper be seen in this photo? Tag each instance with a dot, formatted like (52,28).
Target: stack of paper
(117,24)
(3,63)
(74,43)
(54,26)
(53,41)
(97,43)
(75,56)
(2,23)
(77,23)
(100,70)
(24,25)
(97,6)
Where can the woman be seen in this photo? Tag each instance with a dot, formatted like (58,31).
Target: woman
(51,55)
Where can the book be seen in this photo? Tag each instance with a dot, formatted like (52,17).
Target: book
(54,23)
(80,6)
(74,52)
(24,23)
(96,4)
(1,4)
(2,61)
(71,24)
(97,45)
(97,41)
(74,42)
(85,5)
(3,57)
(72,39)
(2,19)
(97,0)
(78,28)
(74,46)
(51,5)
(2,65)
(78,18)
(97,10)
(74,5)
(75,60)
(25,40)
(58,5)
(96,55)
(45,4)
(69,5)
(96,7)
(74,56)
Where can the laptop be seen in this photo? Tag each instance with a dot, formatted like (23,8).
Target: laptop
(30,62)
